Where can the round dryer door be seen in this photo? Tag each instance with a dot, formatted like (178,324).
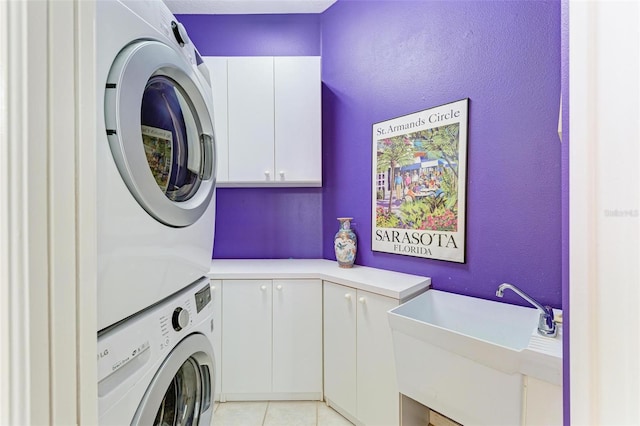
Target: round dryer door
(159,125)
(181,393)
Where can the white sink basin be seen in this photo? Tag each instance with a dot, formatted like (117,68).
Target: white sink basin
(488,332)
(460,354)
(501,324)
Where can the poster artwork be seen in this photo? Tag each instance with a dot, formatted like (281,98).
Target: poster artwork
(419,183)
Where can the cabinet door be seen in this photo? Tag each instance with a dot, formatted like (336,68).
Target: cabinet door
(378,395)
(298,129)
(251,129)
(218,71)
(216,299)
(340,346)
(246,336)
(543,403)
(297,336)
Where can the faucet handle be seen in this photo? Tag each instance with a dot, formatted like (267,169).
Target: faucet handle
(550,317)
(546,323)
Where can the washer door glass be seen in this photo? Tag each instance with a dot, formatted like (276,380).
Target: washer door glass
(181,402)
(181,392)
(159,124)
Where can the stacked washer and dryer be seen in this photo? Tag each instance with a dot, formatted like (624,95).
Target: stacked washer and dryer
(156,183)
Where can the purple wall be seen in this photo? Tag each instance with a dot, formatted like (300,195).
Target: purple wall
(254,35)
(262,223)
(382,59)
(273,223)
(566,389)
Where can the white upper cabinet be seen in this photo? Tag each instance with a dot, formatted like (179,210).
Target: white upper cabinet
(251,127)
(268,120)
(218,70)
(298,127)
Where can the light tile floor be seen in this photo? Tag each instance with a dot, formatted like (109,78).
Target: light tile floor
(277,413)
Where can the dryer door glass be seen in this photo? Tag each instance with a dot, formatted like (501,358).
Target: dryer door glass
(171,138)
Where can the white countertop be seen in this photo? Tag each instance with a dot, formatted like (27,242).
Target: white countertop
(397,285)
(542,359)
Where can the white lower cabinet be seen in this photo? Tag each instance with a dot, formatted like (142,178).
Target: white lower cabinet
(340,381)
(271,339)
(216,299)
(541,406)
(246,337)
(359,370)
(297,337)
(542,403)
(378,395)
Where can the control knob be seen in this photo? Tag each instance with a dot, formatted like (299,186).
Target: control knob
(180,319)
(179,33)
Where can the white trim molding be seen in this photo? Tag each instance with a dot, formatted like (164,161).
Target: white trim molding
(604,212)
(86,222)
(47,213)
(25,262)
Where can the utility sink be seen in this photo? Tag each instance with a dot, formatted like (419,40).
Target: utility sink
(451,348)
(492,333)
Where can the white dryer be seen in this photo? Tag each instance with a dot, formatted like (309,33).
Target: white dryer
(158,367)
(156,158)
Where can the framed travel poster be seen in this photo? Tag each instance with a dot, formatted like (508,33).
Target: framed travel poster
(419,183)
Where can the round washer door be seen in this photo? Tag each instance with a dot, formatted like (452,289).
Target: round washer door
(181,393)
(160,129)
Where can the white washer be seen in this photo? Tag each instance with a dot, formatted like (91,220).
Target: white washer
(158,367)
(156,158)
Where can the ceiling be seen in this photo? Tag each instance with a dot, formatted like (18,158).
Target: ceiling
(247,7)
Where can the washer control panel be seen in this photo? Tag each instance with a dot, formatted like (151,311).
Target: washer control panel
(180,318)
(126,347)
(176,320)
(203,297)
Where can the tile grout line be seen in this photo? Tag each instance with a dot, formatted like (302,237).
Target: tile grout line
(264,417)
(317,408)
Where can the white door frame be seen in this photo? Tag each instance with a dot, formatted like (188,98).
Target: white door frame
(47,213)
(604,58)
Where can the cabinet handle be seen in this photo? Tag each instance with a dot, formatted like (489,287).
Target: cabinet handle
(282,173)
(266,172)
(213,287)
(279,287)
(263,287)
(361,300)
(347,296)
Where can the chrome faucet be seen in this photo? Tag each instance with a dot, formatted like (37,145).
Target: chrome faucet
(546,323)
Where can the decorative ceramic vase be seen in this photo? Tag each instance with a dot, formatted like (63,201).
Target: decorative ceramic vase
(345,243)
